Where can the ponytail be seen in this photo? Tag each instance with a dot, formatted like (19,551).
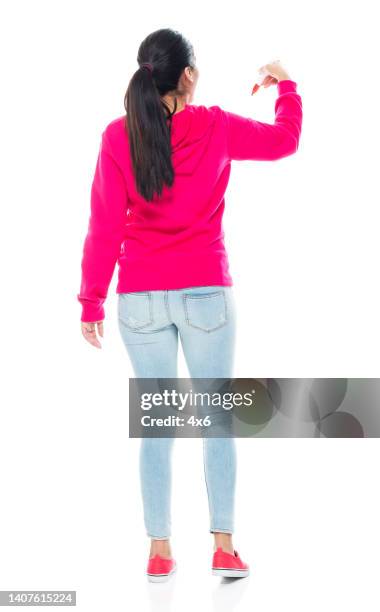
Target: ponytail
(148,118)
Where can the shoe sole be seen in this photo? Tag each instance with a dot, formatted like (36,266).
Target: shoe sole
(161,577)
(229,573)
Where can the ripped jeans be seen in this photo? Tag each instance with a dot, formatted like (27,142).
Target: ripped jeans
(150,323)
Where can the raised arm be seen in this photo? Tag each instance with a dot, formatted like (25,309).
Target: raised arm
(106,231)
(248,139)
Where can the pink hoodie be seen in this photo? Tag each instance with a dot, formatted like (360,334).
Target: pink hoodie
(176,241)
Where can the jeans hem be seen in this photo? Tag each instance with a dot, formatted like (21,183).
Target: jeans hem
(153,537)
(213,530)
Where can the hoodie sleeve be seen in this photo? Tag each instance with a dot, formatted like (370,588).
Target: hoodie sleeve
(248,139)
(105,234)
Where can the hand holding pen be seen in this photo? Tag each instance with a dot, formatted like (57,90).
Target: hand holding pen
(270,74)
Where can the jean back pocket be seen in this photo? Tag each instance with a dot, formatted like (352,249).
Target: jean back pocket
(205,311)
(135,309)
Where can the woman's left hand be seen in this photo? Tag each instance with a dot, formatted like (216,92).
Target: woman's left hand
(89,332)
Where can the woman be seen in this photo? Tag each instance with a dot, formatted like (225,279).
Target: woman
(157,202)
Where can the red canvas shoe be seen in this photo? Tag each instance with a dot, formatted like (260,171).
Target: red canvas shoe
(228,565)
(160,569)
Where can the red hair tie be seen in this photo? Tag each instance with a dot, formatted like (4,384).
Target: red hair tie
(147,65)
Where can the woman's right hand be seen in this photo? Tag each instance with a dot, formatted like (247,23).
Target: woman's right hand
(275,73)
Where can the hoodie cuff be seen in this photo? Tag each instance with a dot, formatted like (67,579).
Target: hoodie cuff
(286,85)
(91,313)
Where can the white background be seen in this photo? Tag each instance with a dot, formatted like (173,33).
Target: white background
(302,236)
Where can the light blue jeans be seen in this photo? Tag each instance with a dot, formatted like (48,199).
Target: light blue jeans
(150,324)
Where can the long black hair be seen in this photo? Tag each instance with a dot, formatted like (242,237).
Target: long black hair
(148,117)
